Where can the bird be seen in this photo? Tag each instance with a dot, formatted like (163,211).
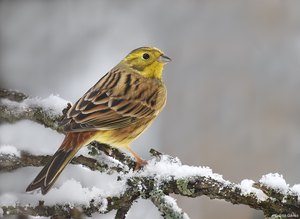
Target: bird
(115,111)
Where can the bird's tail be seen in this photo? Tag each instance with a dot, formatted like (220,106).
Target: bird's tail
(49,174)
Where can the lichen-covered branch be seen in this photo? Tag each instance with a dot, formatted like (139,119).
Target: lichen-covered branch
(12,95)
(162,176)
(104,205)
(15,106)
(10,162)
(167,205)
(158,189)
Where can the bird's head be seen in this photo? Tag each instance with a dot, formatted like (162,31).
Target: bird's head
(147,61)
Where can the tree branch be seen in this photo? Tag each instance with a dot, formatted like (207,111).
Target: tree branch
(163,175)
(157,189)
(10,162)
(12,95)
(12,111)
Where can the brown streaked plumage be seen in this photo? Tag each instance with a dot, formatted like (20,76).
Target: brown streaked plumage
(115,111)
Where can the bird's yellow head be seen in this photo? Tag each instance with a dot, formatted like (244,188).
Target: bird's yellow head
(147,61)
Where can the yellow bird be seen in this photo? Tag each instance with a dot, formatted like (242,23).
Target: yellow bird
(115,111)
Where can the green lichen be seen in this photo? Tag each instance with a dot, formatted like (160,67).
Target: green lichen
(182,185)
(93,151)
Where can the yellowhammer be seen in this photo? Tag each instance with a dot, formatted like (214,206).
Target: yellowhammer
(115,111)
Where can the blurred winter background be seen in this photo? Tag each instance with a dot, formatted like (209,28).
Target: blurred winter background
(233,85)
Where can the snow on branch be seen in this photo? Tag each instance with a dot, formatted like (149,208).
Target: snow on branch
(163,175)
(12,159)
(15,106)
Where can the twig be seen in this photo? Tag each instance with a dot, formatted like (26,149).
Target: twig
(122,212)
(116,154)
(12,95)
(105,205)
(10,162)
(167,205)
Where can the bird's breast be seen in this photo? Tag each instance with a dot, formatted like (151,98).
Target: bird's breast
(123,137)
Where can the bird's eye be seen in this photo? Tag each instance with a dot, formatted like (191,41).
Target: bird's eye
(146,56)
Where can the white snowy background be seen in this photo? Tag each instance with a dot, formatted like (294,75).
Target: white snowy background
(233,86)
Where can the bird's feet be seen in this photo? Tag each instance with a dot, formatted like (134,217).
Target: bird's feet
(139,161)
(139,164)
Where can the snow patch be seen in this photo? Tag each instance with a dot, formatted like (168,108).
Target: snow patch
(168,167)
(9,150)
(8,199)
(53,104)
(1,212)
(275,181)
(73,192)
(104,205)
(247,188)
(172,203)
(296,190)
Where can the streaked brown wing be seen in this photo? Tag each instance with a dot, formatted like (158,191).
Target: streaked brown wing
(108,104)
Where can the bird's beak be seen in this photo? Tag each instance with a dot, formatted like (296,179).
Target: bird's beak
(164,59)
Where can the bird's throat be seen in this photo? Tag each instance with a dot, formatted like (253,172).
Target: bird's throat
(153,71)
